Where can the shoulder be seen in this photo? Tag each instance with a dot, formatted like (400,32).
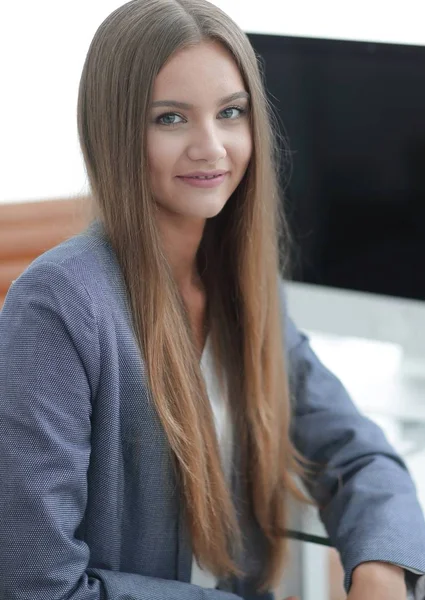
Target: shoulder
(74,274)
(82,257)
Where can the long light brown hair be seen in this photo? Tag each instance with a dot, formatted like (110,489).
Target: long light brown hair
(238,260)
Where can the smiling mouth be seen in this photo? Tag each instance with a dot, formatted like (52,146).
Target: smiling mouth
(204,175)
(203,181)
(201,176)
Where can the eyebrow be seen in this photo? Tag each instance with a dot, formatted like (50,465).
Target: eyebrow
(186,106)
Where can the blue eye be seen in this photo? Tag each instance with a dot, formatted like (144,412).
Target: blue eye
(240,112)
(230,114)
(166,119)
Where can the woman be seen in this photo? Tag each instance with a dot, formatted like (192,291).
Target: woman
(147,365)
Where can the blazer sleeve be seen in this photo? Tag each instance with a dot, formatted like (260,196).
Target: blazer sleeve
(49,368)
(366,497)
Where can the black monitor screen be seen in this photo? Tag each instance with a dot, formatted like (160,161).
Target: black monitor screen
(354,117)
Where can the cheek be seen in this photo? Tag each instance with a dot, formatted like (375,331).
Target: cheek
(243,148)
(162,154)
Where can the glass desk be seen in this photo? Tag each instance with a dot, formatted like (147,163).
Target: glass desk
(376,346)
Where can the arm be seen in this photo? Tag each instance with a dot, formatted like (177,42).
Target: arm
(49,370)
(366,497)
(378,581)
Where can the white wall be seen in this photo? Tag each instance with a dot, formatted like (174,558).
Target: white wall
(42,50)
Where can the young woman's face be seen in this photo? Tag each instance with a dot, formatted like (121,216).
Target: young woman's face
(197,129)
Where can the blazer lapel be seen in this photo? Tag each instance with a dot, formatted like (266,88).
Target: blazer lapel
(184,548)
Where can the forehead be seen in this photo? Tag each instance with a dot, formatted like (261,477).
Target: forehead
(203,72)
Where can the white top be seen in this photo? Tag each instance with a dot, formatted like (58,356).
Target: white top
(223,426)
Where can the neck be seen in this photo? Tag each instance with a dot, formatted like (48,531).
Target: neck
(181,238)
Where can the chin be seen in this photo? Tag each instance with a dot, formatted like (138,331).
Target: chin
(211,211)
(202,210)
(199,207)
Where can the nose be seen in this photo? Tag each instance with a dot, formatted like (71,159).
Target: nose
(206,144)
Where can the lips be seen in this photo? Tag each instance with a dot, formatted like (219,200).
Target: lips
(203,181)
(203,174)
(204,177)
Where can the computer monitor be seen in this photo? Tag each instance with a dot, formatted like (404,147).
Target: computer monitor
(353,114)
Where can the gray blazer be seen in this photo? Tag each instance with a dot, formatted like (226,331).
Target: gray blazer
(89,504)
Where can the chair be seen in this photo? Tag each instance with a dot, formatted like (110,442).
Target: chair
(30,228)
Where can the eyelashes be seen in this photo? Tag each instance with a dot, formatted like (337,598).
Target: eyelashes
(160,119)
